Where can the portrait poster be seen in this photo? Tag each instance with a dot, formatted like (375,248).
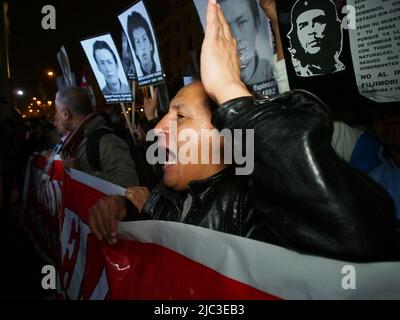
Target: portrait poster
(107,68)
(339,78)
(316,38)
(142,40)
(251,29)
(69,77)
(127,58)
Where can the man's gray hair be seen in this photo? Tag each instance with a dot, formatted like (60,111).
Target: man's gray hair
(75,99)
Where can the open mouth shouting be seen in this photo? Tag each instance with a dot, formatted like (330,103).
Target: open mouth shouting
(168,157)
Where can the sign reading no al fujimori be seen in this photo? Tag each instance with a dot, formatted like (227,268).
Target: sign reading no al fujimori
(375,49)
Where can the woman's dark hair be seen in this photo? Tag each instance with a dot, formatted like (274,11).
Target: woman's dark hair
(99,44)
(135,21)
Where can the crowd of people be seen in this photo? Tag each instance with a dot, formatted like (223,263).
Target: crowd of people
(302,194)
(18,140)
(318,186)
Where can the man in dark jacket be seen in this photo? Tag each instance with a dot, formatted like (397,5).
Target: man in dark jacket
(74,114)
(301,195)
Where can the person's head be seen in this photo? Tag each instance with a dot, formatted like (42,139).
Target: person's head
(192,109)
(243,18)
(106,62)
(316,31)
(142,40)
(72,104)
(386,125)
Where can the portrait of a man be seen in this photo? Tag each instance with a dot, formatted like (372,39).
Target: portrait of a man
(107,64)
(243,17)
(107,67)
(142,41)
(315,38)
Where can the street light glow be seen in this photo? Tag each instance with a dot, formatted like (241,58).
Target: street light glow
(50,73)
(20,92)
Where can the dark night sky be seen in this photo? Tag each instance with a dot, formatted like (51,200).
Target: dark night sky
(33,50)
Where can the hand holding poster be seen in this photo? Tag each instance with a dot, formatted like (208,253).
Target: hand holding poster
(141,37)
(107,67)
(250,28)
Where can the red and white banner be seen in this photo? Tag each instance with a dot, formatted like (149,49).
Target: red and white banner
(82,271)
(42,203)
(168,260)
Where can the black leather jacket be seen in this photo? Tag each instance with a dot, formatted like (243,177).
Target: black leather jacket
(301,195)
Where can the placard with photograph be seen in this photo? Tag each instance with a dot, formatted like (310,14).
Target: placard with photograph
(316,38)
(250,27)
(344,51)
(127,58)
(142,39)
(107,68)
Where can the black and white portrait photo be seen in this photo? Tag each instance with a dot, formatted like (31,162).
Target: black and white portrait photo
(137,26)
(107,67)
(251,29)
(316,38)
(127,58)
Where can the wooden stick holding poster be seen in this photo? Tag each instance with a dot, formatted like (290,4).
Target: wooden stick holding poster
(152,96)
(151,91)
(128,123)
(133,103)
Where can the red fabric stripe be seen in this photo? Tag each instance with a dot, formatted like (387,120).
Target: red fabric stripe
(148,271)
(79,198)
